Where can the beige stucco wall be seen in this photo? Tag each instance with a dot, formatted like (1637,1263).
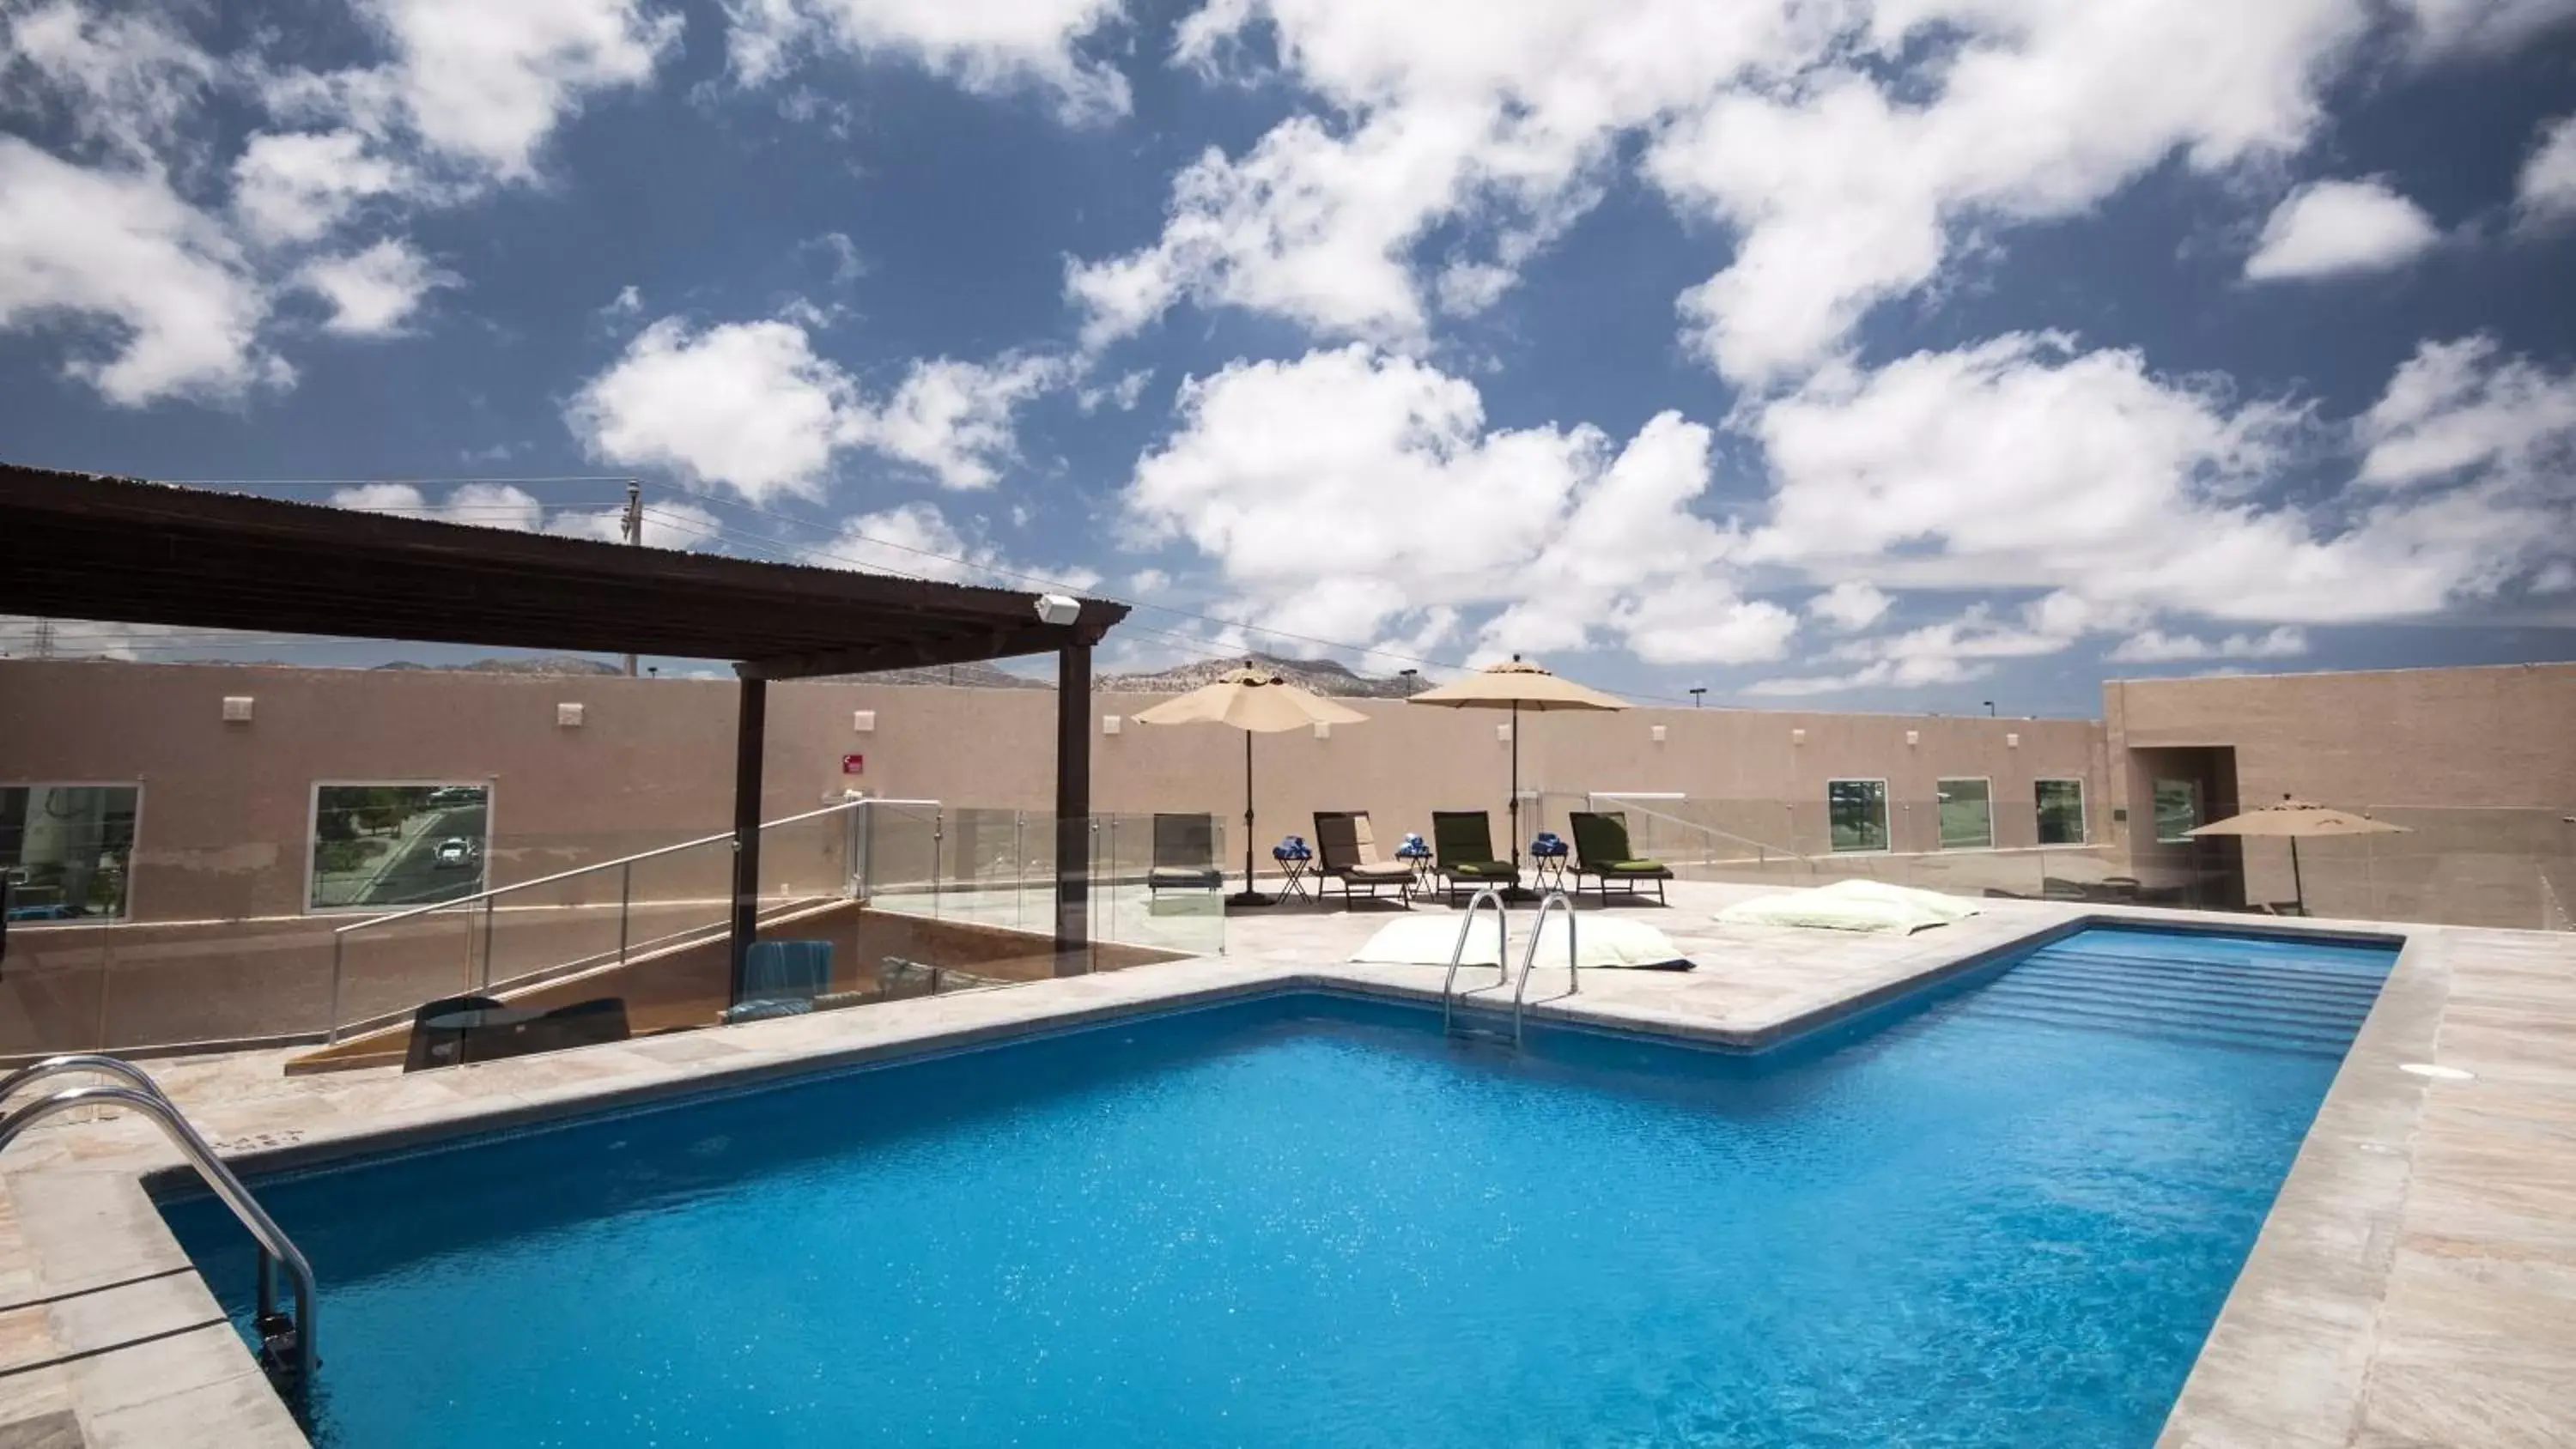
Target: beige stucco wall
(2478,763)
(225,816)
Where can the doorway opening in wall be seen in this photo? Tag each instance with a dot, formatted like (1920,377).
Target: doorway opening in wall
(2181,787)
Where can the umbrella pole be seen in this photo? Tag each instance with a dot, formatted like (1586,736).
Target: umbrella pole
(2298,888)
(1248,896)
(1512,811)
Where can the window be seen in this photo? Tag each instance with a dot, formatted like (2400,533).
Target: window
(2061,811)
(1856,814)
(2177,811)
(1967,814)
(390,846)
(68,848)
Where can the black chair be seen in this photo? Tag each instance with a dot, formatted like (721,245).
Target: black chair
(583,1023)
(441,1047)
(1184,855)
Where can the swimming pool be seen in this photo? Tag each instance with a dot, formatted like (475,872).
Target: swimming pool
(2003,1211)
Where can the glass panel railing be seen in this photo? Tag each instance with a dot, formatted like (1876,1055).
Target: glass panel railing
(1157,882)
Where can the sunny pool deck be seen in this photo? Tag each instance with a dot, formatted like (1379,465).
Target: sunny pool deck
(2415,1283)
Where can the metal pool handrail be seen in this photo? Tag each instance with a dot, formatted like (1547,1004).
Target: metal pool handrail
(1458,953)
(1529,958)
(146,1097)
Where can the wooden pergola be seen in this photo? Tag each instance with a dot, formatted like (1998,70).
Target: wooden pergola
(122,550)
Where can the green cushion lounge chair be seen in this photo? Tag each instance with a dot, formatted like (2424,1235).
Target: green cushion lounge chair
(1601,851)
(1462,843)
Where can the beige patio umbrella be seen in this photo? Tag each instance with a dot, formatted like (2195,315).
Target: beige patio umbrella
(1257,702)
(2294,821)
(1516,685)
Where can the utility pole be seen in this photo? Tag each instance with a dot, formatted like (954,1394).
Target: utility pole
(44,638)
(634,536)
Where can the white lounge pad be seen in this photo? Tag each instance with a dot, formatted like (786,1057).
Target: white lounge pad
(1599,941)
(1852,905)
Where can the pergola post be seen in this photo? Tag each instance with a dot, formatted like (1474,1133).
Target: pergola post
(751,729)
(1073,810)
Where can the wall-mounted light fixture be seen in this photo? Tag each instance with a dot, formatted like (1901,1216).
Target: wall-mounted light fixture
(1503,734)
(1797,737)
(1109,724)
(1659,734)
(863,721)
(2012,742)
(1058,609)
(1323,730)
(1913,738)
(568,715)
(237,709)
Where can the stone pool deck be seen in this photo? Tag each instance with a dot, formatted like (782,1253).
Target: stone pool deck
(2414,1285)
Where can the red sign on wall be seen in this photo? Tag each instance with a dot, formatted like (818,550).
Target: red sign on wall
(854,764)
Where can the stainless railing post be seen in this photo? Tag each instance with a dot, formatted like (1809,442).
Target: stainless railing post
(487,941)
(339,947)
(1458,953)
(625,903)
(1529,961)
(938,853)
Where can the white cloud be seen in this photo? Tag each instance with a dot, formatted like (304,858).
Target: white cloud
(1949,653)
(1349,493)
(2154,646)
(955,420)
(752,407)
(2547,190)
(1846,191)
(2338,228)
(1852,605)
(629,302)
(745,405)
(373,292)
(671,525)
(2465,409)
(120,247)
(2448,27)
(486,81)
(127,84)
(917,540)
(847,265)
(986,46)
(1123,394)
(297,186)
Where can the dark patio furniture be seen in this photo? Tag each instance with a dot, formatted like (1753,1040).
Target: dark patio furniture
(1463,843)
(1346,850)
(1184,855)
(1601,851)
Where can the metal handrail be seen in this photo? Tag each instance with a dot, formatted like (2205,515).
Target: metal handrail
(1502,947)
(146,1097)
(1529,959)
(340,934)
(597,866)
(1764,848)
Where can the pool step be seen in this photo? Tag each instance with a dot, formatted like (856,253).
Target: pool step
(2273,1004)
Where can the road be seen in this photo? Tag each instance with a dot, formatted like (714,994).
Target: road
(414,877)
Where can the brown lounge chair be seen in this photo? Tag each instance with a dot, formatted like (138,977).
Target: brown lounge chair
(1346,851)
(1462,843)
(1601,850)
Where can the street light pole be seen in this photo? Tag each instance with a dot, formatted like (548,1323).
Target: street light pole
(1990,709)
(1696,691)
(634,530)
(1412,680)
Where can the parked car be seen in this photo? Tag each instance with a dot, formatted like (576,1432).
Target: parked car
(455,853)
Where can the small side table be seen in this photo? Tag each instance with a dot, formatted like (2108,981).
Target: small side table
(1295,872)
(1548,872)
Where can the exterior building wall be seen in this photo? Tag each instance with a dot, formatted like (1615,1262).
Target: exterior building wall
(2479,764)
(226,812)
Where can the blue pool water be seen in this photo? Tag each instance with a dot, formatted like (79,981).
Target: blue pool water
(2003,1212)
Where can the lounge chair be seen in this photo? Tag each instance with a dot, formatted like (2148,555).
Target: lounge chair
(1346,851)
(1462,843)
(1184,855)
(441,1046)
(1601,851)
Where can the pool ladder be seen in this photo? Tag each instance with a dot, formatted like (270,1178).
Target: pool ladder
(1449,995)
(287,1348)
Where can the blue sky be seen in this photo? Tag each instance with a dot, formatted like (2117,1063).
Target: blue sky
(1882,355)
